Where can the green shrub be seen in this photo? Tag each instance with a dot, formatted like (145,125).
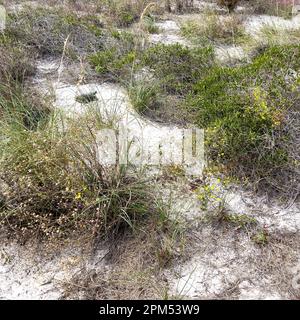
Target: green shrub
(119,57)
(245,110)
(126,18)
(112,64)
(176,66)
(229,4)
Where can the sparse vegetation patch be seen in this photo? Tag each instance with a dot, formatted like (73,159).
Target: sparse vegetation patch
(47,31)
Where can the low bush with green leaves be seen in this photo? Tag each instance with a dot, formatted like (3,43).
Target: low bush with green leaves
(117,60)
(246,111)
(177,67)
(229,4)
(110,63)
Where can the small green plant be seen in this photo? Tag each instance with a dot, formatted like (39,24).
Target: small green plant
(261,237)
(240,220)
(207,195)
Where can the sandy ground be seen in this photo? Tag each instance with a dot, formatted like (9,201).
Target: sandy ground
(225,261)
(37,272)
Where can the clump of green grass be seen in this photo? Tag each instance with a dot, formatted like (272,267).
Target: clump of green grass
(16,68)
(55,184)
(246,113)
(148,24)
(23,104)
(173,70)
(144,95)
(149,99)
